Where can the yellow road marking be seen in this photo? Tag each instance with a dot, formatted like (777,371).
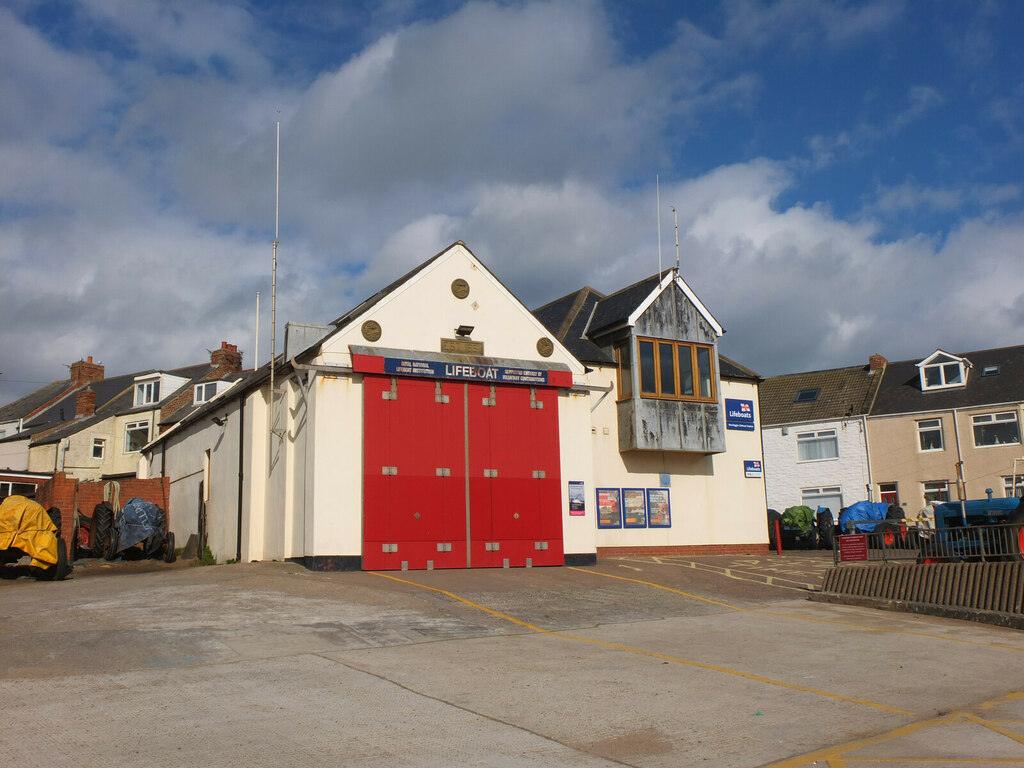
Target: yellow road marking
(762,580)
(770,580)
(635,651)
(994,726)
(655,585)
(934,760)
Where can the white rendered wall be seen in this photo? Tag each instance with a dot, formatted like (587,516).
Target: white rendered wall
(14,456)
(786,476)
(711,501)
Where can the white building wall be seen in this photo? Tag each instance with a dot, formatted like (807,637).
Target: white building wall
(711,500)
(14,455)
(786,476)
(579,533)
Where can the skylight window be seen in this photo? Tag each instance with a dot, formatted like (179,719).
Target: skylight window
(806,395)
(990,370)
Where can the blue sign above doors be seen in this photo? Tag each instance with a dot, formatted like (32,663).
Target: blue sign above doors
(739,414)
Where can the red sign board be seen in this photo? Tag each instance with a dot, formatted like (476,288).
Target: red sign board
(853,547)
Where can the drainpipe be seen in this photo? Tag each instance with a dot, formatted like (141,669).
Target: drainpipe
(867,456)
(959,469)
(241,475)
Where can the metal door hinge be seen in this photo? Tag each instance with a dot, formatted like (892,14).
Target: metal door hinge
(391,394)
(388,547)
(534,402)
(539,474)
(492,546)
(540,545)
(491,400)
(444,546)
(439,396)
(389,470)
(443,471)
(490,473)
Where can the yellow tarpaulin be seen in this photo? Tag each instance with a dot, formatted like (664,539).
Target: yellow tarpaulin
(25,525)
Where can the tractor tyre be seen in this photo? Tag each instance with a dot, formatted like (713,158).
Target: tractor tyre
(169,554)
(826,530)
(60,571)
(1017,536)
(102,526)
(895,512)
(110,551)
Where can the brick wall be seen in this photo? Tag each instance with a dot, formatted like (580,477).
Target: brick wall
(68,494)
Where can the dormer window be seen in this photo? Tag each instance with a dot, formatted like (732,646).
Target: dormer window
(205,392)
(147,392)
(942,370)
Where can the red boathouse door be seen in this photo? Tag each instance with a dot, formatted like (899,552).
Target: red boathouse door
(459,474)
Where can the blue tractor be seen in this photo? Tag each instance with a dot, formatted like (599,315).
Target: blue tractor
(982,528)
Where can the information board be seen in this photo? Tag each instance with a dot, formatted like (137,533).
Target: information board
(436,369)
(634,505)
(577,499)
(609,508)
(753,468)
(739,414)
(853,547)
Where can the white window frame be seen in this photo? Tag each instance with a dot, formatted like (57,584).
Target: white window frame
(925,490)
(101,443)
(147,392)
(134,425)
(1008,481)
(993,418)
(814,437)
(947,360)
(202,388)
(937,424)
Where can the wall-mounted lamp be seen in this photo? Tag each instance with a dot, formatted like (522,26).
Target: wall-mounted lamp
(463,331)
(220,421)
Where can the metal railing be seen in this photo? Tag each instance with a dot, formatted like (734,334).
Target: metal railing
(907,543)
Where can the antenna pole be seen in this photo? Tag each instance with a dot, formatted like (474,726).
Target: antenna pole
(675,223)
(273,286)
(256,344)
(657,192)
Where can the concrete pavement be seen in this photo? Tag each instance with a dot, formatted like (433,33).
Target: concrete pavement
(639,661)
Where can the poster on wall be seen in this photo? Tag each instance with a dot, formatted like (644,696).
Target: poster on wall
(739,414)
(609,508)
(577,501)
(659,510)
(634,508)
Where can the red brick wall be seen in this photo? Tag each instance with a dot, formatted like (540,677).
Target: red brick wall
(687,549)
(69,494)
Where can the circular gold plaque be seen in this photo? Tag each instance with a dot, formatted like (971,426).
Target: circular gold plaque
(460,288)
(545,346)
(371,330)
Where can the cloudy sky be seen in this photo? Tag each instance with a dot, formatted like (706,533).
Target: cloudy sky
(849,176)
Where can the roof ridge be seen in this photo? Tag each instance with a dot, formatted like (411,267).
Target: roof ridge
(659,275)
(916,360)
(819,370)
(567,295)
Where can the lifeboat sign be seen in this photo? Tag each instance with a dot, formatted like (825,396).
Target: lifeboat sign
(491,374)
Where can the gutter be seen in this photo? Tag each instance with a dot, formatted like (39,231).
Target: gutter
(241,476)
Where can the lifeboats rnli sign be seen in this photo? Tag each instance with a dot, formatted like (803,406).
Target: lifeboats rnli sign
(739,414)
(489,374)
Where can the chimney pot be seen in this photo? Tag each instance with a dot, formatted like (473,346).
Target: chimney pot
(877,362)
(85,371)
(228,359)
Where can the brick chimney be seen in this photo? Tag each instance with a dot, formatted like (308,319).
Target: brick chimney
(85,371)
(877,362)
(85,402)
(228,359)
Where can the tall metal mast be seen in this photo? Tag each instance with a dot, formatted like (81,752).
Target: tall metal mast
(675,223)
(273,287)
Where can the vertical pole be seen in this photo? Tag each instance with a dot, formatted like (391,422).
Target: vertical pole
(273,293)
(778,537)
(960,486)
(657,190)
(675,224)
(256,343)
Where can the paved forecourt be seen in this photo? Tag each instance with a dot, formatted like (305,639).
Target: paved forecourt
(638,661)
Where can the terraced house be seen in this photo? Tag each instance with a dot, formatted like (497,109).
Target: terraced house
(92,427)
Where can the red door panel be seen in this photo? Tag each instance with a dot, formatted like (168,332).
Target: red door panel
(377,525)
(549,488)
(481,486)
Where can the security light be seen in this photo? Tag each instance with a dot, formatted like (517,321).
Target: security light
(463,331)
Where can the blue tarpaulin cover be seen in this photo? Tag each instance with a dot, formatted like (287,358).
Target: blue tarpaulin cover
(863,510)
(137,521)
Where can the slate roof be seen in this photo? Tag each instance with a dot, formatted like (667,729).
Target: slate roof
(574,319)
(901,387)
(27,403)
(842,393)
(615,308)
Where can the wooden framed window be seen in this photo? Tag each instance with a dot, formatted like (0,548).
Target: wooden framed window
(624,381)
(674,370)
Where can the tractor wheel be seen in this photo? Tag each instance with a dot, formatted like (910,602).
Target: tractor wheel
(60,571)
(773,517)
(110,552)
(826,530)
(894,512)
(102,525)
(54,514)
(888,535)
(169,554)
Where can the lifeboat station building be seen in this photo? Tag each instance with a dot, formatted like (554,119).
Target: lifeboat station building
(443,424)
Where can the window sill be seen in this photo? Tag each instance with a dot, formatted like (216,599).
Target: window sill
(931,450)
(673,399)
(816,461)
(998,445)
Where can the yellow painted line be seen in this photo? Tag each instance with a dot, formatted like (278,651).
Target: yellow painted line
(994,726)
(893,631)
(936,760)
(662,587)
(762,580)
(635,651)
(840,751)
(769,579)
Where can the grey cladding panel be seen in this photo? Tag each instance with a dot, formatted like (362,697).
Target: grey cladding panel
(673,316)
